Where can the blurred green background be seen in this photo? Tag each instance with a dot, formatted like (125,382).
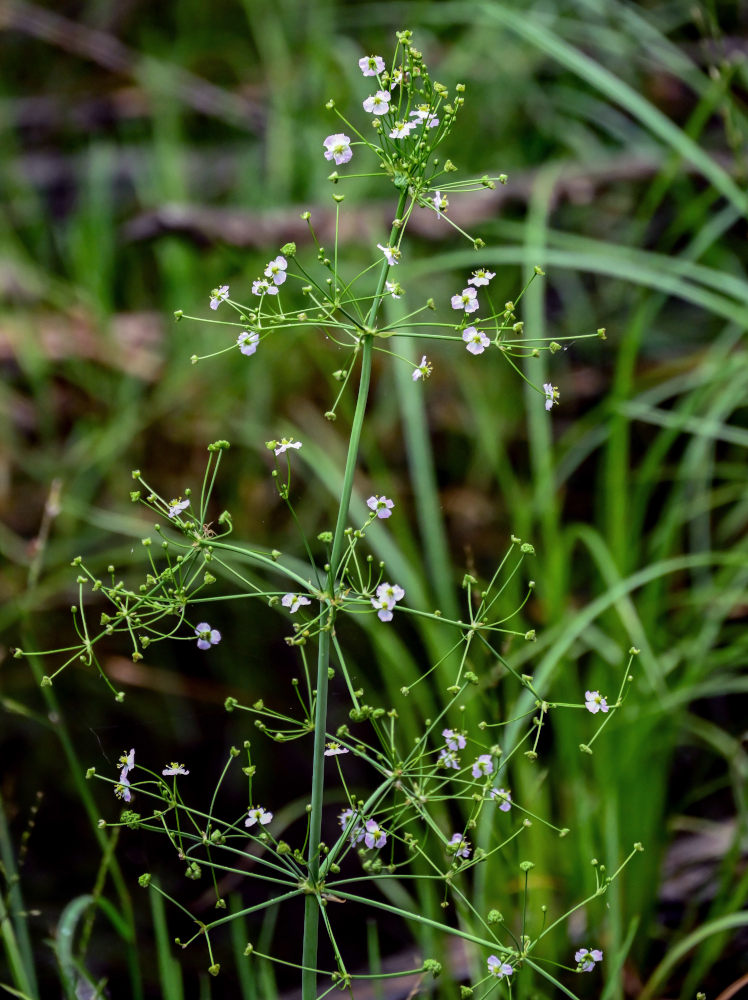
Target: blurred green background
(150,152)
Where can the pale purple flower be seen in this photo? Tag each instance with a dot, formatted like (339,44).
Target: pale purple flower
(498,968)
(551,395)
(371,65)
(333,749)
(449,758)
(424,114)
(206,636)
(475,340)
(263,287)
(122,790)
(483,766)
(440,203)
(594,702)
(294,601)
(357,832)
(463,845)
(467,300)
(127,763)
(338,148)
(394,289)
(390,253)
(375,835)
(391,591)
(276,270)
(174,768)
(285,444)
(481,277)
(247,342)
(586,959)
(378,104)
(504,797)
(423,370)
(381,506)
(218,295)
(388,594)
(177,506)
(401,130)
(396,79)
(454,739)
(256,814)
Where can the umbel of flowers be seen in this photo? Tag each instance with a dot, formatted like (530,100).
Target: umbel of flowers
(396,818)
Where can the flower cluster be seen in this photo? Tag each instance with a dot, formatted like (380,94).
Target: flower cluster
(388,594)
(475,340)
(274,275)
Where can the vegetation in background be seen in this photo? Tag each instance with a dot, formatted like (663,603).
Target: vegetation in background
(137,176)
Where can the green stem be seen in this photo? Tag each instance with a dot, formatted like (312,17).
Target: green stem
(312,904)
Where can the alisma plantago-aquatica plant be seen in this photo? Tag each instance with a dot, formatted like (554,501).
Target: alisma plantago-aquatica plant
(452,775)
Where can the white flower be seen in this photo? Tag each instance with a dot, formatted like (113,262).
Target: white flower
(424,114)
(122,790)
(394,289)
(247,342)
(127,763)
(391,253)
(256,814)
(177,506)
(379,103)
(440,203)
(338,148)
(333,749)
(388,594)
(401,130)
(481,277)
(263,287)
(475,340)
(294,601)
(594,702)
(174,768)
(371,65)
(467,300)
(218,295)
(276,270)
(551,395)
(285,444)
(423,370)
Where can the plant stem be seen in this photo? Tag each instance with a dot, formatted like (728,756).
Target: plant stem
(312,904)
